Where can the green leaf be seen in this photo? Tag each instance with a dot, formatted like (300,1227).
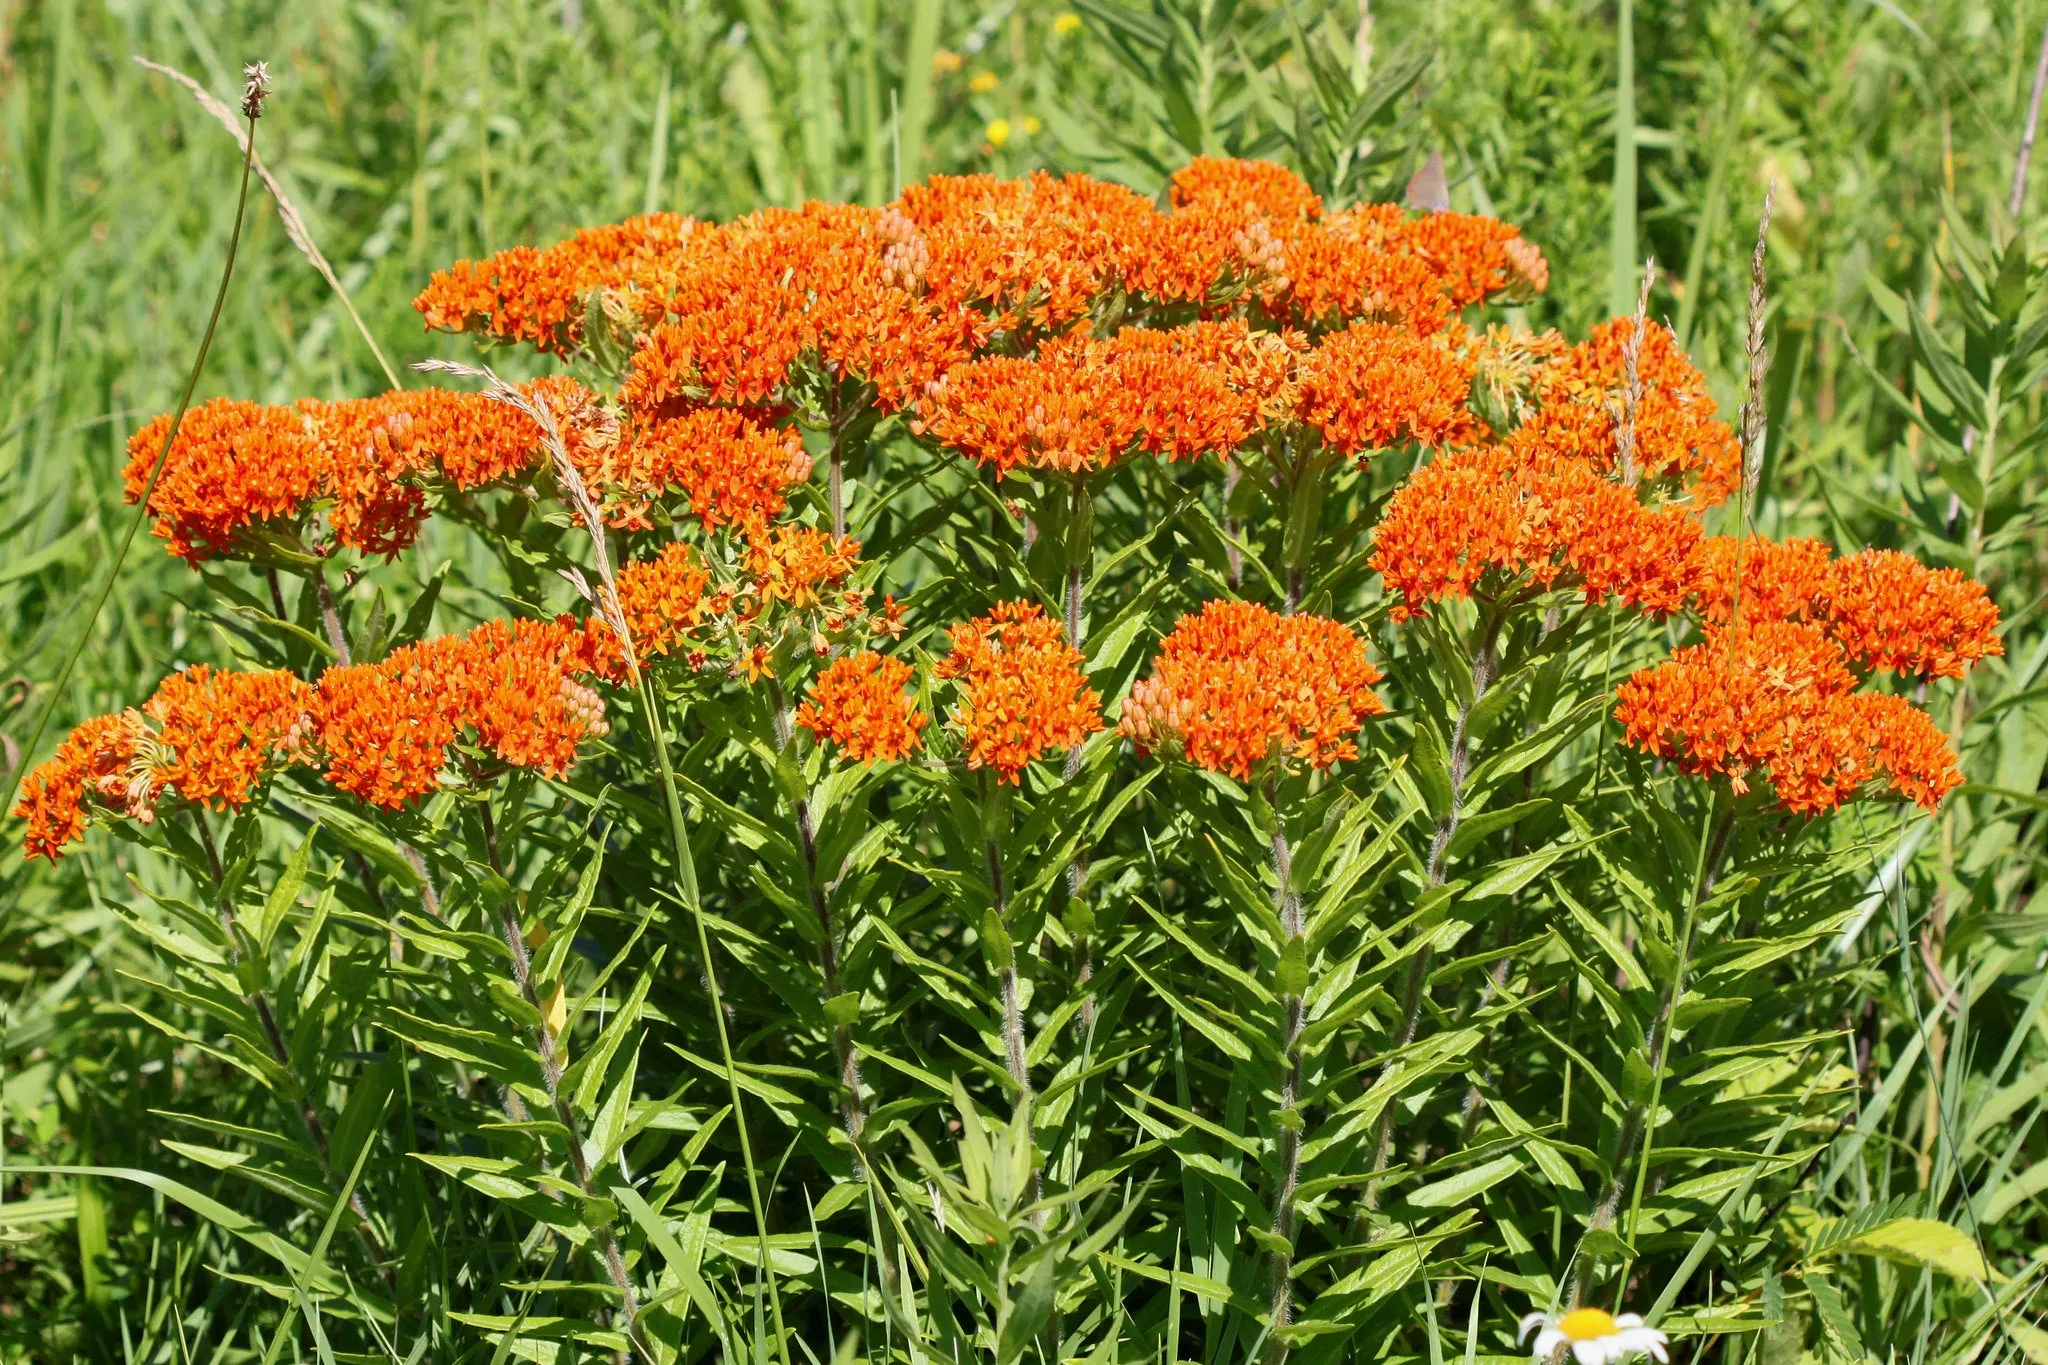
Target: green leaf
(1925,1241)
(1466,1185)
(278,903)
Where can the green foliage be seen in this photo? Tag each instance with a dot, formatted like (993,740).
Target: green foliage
(282,1094)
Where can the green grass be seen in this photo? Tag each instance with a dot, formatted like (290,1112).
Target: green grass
(411,137)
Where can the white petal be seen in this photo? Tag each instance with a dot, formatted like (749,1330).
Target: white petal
(1530,1322)
(1648,1340)
(1628,1319)
(1592,1352)
(1547,1342)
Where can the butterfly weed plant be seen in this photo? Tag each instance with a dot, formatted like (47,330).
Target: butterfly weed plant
(1060,776)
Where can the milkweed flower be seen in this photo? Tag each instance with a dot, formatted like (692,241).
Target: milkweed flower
(1546,523)
(1236,686)
(206,737)
(1895,614)
(383,729)
(1888,611)
(662,600)
(1022,691)
(734,470)
(1080,404)
(1678,437)
(858,704)
(538,295)
(233,465)
(1779,697)
(1596,1337)
(1375,385)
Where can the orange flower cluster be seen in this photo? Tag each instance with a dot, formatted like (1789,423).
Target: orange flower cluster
(233,465)
(1678,438)
(1779,697)
(1887,610)
(1023,693)
(537,295)
(734,470)
(662,600)
(1237,686)
(858,704)
(1080,405)
(238,469)
(1546,522)
(1375,385)
(205,737)
(836,283)
(383,729)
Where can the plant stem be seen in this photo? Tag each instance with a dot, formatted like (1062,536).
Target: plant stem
(1638,1121)
(565,1113)
(851,1109)
(330,615)
(686,871)
(1078,558)
(141,513)
(1287,1121)
(1485,665)
(1014,1051)
(259,1001)
(835,475)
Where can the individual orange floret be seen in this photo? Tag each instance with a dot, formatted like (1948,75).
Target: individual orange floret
(1487,511)
(537,295)
(93,766)
(1778,697)
(662,599)
(733,469)
(1893,613)
(233,465)
(858,704)
(1023,694)
(1237,686)
(1375,385)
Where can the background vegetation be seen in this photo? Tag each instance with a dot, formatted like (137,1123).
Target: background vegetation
(414,135)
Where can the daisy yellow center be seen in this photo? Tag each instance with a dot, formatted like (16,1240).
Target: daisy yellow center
(1586,1324)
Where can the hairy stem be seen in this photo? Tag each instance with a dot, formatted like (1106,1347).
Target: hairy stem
(1485,666)
(266,1018)
(1287,1119)
(1077,871)
(1638,1120)
(565,1113)
(1014,1051)
(330,615)
(852,1111)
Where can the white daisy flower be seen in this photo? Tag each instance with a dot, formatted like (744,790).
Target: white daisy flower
(1596,1336)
